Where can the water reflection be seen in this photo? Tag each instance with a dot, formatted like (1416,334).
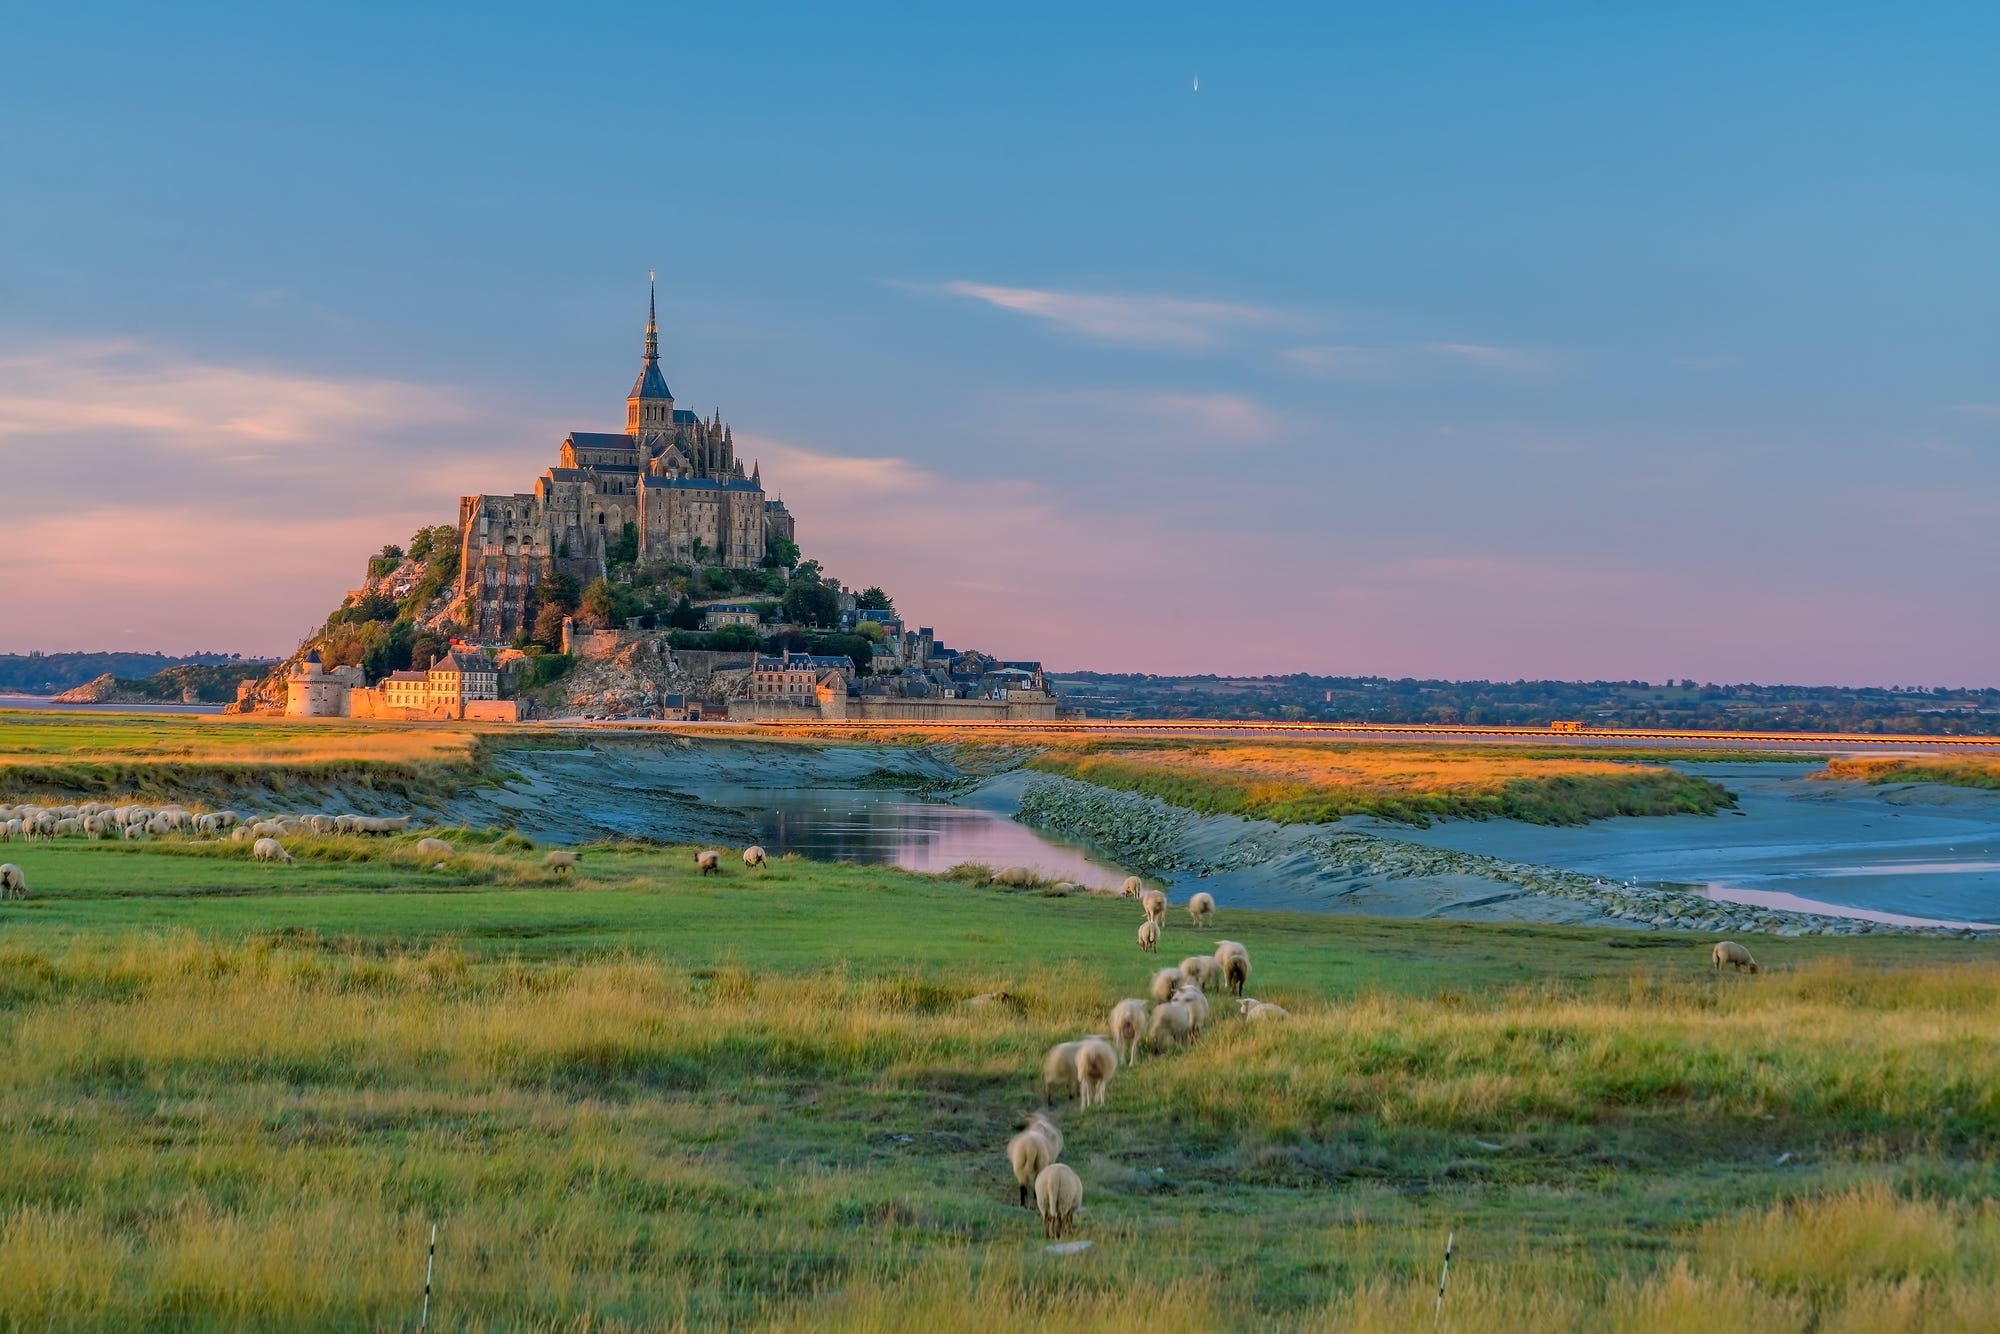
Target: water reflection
(894,829)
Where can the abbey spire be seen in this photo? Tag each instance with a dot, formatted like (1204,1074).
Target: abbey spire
(649,408)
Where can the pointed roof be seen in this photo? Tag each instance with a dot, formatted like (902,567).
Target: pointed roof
(651,384)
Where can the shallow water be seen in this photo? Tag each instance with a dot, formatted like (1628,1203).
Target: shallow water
(891,828)
(1922,852)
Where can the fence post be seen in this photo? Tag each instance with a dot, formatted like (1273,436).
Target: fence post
(1437,1315)
(424,1321)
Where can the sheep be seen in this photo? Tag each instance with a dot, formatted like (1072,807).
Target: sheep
(322,824)
(242,833)
(1173,1022)
(562,863)
(1132,886)
(1149,935)
(1155,904)
(1059,1069)
(68,827)
(270,850)
(1254,1009)
(1058,1195)
(1165,983)
(1733,954)
(13,884)
(1096,1062)
(1128,1025)
(1201,970)
(1201,907)
(431,849)
(753,855)
(708,862)
(1197,1005)
(1029,1152)
(1019,877)
(1234,961)
(267,829)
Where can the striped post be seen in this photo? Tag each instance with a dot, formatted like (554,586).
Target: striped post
(424,1321)
(1438,1314)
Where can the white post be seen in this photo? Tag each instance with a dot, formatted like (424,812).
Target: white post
(1443,1274)
(424,1322)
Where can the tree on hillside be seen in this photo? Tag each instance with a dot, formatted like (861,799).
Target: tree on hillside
(806,572)
(558,590)
(780,552)
(548,627)
(599,605)
(873,598)
(812,604)
(684,616)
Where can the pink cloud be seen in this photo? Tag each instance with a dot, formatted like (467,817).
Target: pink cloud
(1139,319)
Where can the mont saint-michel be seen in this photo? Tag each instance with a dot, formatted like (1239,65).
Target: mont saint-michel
(669,481)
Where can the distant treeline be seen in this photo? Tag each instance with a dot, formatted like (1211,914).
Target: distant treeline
(53,673)
(1680,704)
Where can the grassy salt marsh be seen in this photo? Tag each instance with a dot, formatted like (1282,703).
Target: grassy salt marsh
(239,1094)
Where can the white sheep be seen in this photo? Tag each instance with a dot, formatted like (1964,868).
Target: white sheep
(1254,1009)
(753,855)
(1130,889)
(1058,1195)
(431,849)
(1019,877)
(13,883)
(708,862)
(562,862)
(270,850)
(1234,961)
(1201,907)
(1096,1062)
(1128,1025)
(1149,935)
(1164,984)
(1172,1023)
(1155,904)
(1197,1005)
(242,833)
(1201,970)
(1059,1070)
(1029,1152)
(1733,954)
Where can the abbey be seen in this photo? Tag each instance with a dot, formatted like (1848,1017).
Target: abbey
(673,478)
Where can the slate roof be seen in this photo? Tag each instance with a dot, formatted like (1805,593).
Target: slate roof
(461,661)
(602,440)
(651,384)
(654,482)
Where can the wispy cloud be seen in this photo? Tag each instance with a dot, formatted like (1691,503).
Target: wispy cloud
(1155,419)
(1362,362)
(1988,410)
(1136,319)
(94,388)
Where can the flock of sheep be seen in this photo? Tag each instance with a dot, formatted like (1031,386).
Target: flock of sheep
(1178,1014)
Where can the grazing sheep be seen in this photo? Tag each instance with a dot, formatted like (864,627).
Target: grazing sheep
(267,829)
(1059,1069)
(1132,886)
(429,848)
(1165,983)
(1019,877)
(1733,954)
(1197,1005)
(1234,961)
(562,863)
(1096,1062)
(1155,904)
(1201,907)
(1173,1023)
(1255,1009)
(1029,1152)
(1201,970)
(709,862)
(270,850)
(753,855)
(1149,935)
(1058,1195)
(242,833)
(13,884)
(1128,1025)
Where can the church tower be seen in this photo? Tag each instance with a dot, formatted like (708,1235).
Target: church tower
(649,408)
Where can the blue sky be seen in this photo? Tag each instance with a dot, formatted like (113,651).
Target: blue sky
(1432,340)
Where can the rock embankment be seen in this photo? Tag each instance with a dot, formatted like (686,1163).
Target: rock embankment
(1162,840)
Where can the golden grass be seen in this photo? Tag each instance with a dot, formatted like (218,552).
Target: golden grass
(34,737)
(1980,771)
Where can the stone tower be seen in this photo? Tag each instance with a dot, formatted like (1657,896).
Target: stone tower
(649,408)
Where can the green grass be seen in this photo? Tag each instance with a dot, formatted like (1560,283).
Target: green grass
(239,1094)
